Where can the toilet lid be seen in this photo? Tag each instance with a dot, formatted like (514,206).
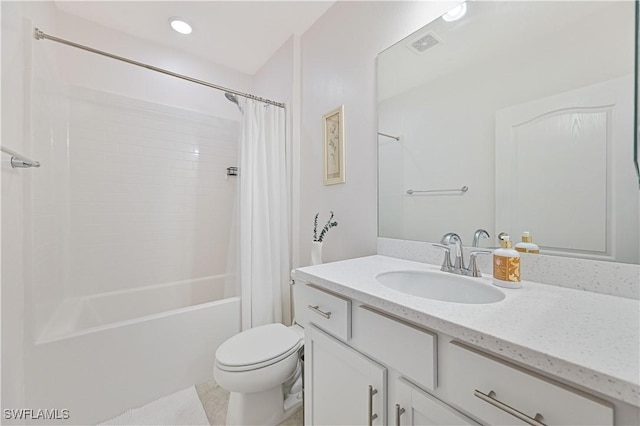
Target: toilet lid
(257,347)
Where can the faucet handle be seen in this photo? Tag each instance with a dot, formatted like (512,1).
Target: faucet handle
(473,270)
(453,238)
(480,233)
(446,263)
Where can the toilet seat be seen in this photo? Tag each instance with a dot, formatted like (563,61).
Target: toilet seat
(257,348)
(261,368)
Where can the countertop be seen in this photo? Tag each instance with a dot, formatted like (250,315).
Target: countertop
(582,337)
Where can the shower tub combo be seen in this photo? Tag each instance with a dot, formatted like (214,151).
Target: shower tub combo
(131,191)
(101,355)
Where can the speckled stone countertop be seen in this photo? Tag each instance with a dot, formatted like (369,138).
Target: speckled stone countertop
(582,337)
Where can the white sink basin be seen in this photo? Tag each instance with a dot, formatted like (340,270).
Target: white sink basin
(441,286)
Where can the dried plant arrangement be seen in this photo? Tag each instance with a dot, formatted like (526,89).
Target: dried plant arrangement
(330,224)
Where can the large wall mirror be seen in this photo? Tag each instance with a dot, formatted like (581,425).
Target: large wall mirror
(512,117)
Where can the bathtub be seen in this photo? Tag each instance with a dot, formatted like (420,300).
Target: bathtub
(103,354)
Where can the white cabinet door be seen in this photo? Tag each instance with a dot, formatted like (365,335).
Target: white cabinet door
(342,386)
(414,406)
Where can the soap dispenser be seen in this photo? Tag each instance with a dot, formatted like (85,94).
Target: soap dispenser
(527,245)
(506,265)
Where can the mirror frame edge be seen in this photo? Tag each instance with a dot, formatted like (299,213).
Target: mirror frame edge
(636,152)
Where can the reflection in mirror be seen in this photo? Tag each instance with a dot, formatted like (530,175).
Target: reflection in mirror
(530,105)
(636,149)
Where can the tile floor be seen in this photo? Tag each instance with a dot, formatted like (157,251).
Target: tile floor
(215,399)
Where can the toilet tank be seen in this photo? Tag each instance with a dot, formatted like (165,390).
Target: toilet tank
(298,289)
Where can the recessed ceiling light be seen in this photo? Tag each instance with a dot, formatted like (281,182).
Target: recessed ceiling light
(180,25)
(455,13)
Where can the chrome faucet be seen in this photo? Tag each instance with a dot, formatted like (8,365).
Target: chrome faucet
(480,233)
(447,239)
(458,266)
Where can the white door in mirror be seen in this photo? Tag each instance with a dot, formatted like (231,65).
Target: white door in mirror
(555,147)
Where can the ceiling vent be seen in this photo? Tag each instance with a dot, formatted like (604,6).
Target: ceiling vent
(423,43)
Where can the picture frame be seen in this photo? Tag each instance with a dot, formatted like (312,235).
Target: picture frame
(334,142)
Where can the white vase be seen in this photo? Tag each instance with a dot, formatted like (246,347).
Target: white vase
(316,253)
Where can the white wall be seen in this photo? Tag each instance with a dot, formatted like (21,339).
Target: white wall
(339,67)
(274,80)
(15,81)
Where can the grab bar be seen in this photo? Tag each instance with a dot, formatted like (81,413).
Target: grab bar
(389,136)
(463,190)
(18,160)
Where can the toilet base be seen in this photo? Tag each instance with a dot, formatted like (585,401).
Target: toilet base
(258,408)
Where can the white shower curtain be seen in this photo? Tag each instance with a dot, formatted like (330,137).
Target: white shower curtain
(264,216)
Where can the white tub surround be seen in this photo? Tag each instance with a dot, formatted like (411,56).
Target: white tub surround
(89,314)
(131,228)
(585,339)
(103,354)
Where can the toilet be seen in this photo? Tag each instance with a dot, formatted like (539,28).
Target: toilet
(262,370)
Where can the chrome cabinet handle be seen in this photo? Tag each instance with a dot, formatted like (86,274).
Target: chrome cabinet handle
(372,416)
(315,309)
(399,412)
(490,398)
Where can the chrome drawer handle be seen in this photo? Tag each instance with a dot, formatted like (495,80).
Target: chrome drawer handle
(399,412)
(537,421)
(372,416)
(315,309)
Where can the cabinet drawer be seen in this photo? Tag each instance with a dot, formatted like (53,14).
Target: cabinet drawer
(329,312)
(406,348)
(500,393)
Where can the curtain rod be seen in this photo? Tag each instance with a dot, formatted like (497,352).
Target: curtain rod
(39,35)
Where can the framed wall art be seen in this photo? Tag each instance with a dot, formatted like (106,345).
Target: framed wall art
(333,138)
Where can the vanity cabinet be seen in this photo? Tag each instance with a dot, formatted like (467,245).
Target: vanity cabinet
(342,386)
(364,366)
(413,406)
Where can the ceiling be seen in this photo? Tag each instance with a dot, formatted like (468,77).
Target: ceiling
(241,35)
(488,29)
